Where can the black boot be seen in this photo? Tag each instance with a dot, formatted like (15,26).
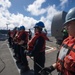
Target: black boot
(25,69)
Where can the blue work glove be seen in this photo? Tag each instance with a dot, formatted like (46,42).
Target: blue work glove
(47,70)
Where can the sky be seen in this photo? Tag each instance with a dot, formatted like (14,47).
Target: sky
(14,13)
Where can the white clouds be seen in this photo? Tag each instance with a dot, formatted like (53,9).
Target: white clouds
(19,19)
(51,11)
(12,19)
(35,8)
(29,22)
(63,3)
(4,13)
(5,3)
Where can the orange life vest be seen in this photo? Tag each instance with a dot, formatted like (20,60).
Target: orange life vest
(36,36)
(22,33)
(13,33)
(16,39)
(66,57)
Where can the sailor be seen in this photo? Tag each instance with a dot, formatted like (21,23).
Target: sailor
(36,46)
(65,63)
(22,41)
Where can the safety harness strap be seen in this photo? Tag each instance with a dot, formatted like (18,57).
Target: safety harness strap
(69,49)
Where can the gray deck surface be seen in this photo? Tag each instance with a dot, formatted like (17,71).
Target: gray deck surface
(8,65)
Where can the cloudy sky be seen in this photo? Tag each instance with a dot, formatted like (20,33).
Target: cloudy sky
(27,12)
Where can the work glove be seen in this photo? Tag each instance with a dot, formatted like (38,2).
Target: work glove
(50,41)
(29,53)
(47,70)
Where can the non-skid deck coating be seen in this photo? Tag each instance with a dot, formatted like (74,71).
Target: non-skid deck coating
(8,64)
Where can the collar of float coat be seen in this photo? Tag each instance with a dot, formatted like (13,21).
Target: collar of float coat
(69,41)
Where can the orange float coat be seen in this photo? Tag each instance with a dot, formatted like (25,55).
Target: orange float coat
(32,41)
(21,34)
(66,57)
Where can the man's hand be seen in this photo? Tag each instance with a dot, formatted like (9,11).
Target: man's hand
(29,53)
(21,42)
(47,70)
